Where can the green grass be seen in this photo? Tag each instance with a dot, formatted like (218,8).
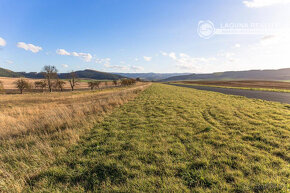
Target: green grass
(173,139)
(243,88)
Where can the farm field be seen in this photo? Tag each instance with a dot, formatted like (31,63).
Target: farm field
(282,86)
(173,139)
(10,87)
(37,128)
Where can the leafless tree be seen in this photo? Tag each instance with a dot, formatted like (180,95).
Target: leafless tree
(73,81)
(50,73)
(40,85)
(59,84)
(115,82)
(1,86)
(94,84)
(126,82)
(22,84)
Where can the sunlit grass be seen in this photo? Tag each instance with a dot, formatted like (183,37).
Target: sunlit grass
(35,129)
(173,139)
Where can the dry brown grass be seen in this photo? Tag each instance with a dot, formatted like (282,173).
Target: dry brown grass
(36,128)
(10,87)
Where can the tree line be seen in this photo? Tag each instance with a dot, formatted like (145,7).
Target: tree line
(52,82)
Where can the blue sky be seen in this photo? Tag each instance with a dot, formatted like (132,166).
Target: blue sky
(141,35)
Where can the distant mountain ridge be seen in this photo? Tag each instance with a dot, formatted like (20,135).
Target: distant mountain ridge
(151,75)
(280,74)
(8,73)
(90,74)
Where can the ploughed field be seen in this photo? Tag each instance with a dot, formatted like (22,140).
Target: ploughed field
(175,139)
(244,83)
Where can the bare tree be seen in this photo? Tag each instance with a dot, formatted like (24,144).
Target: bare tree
(22,84)
(1,86)
(126,82)
(94,84)
(115,82)
(40,85)
(73,81)
(59,84)
(50,73)
(98,83)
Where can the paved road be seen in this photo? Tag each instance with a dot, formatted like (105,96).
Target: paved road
(265,95)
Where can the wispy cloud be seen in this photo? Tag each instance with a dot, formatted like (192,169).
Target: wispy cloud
(87,57)
(2,42)
(127,68)
(264,3)
(147,58)
(62,52)
(186,62)
(29,47)
(105,61)
(237,45)
(64,65)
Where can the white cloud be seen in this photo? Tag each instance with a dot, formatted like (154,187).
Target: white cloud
(29,47)
(172,55)
(163,53)
(62,52)
(147,58)
(64,65)
(118,67)
(136,68)
(105,61)
(2,42)
(237,45)
(87,57)
(186,62)
(264,3)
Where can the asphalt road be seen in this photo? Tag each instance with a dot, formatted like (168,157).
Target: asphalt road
(281,97)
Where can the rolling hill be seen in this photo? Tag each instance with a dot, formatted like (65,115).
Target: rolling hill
(90,74)
(281,74)
(151,76)
(8,73)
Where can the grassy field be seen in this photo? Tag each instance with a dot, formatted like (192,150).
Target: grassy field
(272,86)
(35,129)
(9,84)
(173,139)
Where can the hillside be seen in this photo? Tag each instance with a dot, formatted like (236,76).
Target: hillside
(281,74)
(90,74)
(151,76)
(8,73)
(93,74)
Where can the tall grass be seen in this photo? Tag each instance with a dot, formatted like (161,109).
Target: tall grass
(36,128)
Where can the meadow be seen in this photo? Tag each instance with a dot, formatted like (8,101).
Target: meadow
(272,86)
(173,139)
(36,128)
(10,87)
